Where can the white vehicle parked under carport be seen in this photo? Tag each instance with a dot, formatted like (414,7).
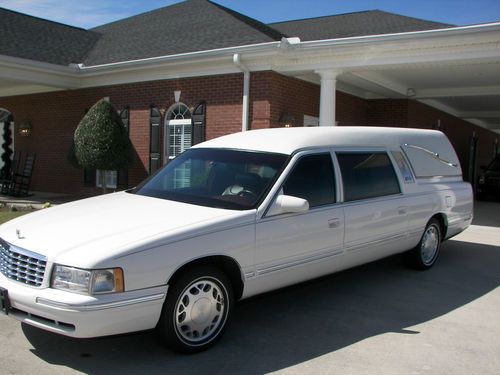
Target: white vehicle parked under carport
(227,219)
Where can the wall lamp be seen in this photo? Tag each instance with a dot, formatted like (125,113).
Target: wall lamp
(25,129)
(286,119)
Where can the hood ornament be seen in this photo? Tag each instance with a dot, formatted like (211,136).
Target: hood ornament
(18,232)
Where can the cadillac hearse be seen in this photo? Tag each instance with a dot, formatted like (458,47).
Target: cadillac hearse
(228,219)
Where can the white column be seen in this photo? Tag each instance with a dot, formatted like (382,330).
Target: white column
(327,99)
(246,94)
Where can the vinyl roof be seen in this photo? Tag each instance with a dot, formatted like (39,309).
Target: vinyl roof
(294,139)
(188,26)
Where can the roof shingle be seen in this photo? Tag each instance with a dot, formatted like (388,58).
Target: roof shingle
(41,40)
(373,22)
(190,26)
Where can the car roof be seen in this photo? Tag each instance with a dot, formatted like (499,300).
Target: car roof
(290,140)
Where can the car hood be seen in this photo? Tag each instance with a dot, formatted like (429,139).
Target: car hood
(86,232)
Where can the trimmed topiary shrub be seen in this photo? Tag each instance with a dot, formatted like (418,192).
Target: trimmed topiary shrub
(101,141)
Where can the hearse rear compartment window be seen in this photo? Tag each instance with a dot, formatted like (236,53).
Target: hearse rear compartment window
(403,167)
(367,175)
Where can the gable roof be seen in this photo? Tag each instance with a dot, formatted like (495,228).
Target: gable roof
(41,40)
(372,22)
(190,26)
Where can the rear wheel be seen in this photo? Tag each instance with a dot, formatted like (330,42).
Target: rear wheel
(425,254)
(197,310)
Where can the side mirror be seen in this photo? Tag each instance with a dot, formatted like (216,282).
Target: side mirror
(285,204)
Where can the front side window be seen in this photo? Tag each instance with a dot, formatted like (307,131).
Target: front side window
(216,178)
(367,175)
(312,179)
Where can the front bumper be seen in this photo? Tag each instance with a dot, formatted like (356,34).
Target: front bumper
(82,316)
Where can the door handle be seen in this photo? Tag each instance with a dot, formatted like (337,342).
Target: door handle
(334,223)
(449,201)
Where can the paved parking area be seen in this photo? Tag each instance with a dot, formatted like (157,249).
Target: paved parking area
(380,318)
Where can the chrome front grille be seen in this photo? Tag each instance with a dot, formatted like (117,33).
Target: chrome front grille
(21,265)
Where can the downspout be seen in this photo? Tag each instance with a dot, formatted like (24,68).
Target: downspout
(246,90)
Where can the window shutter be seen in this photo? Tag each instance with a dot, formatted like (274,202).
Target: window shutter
(125,115)
(154,134)
(198,134)
(122,178)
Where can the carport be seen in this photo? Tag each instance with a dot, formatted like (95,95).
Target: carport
(456,70)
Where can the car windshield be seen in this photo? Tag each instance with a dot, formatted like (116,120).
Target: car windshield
(216,178)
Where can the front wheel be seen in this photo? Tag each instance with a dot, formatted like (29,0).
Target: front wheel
(425,254)
(197,310)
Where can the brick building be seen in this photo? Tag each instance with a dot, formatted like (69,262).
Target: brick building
(196,70)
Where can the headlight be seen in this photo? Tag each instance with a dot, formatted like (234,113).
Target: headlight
(87,281)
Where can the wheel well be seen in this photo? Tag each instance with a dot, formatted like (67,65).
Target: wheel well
(226,264)
(443,223)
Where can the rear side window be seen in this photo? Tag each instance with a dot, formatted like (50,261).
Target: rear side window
(312,179)
(367,175)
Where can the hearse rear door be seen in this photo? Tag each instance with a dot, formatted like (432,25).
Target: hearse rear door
(291,247)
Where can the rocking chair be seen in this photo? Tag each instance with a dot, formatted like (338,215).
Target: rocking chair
(21,181)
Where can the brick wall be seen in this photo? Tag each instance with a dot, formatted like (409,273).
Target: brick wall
(289,94)
(351,110)
(387,112)
(273,93)
(55,116)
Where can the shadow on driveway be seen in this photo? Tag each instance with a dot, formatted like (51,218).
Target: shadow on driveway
(486,213)
(293,325)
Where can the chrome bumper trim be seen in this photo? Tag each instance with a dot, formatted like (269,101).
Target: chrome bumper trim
(300,262)
(97,307)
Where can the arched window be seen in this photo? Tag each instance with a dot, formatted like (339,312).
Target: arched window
(179,111)
(178,131)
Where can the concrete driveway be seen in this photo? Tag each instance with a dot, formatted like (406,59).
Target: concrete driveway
(381,318)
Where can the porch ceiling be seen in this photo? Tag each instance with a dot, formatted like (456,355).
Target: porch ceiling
(19,87)
(21,76)
(468,90)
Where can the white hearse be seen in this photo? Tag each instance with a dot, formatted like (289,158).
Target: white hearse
(227,219)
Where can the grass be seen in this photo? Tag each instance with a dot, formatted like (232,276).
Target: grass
(9,215)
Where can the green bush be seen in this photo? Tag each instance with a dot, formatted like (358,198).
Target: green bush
(101,141)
